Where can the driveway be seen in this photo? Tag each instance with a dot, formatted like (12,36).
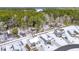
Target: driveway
(67,47)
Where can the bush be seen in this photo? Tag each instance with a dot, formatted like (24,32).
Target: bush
(15,31)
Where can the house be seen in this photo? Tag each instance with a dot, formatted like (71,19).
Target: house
(59,32)
(36,43)
(3,48)
(11,22)
(45,26)
(46,38)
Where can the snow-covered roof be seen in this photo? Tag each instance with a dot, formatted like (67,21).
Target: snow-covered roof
(47,36)
(38,10)
(35,39)
(70,27)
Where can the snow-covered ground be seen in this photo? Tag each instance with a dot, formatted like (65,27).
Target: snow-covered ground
(76,49)
(44,42)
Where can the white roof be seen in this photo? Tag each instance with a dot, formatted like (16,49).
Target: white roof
(45,36)
(35,39)
(38,10)
(70,27)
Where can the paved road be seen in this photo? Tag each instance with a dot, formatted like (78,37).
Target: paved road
(67,47)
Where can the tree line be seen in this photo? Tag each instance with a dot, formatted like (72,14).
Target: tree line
(28,17)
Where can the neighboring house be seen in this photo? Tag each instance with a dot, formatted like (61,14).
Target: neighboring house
(21,33)
(46,38)
(11,23)
(36,43)
(59,32)
(45,27)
